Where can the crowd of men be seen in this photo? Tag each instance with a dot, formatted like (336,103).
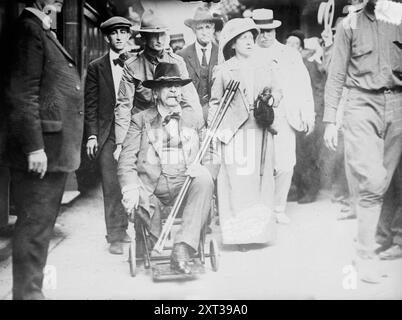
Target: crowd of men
(125,93)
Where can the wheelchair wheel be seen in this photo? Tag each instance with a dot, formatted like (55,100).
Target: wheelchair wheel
(214,254)
(132,258)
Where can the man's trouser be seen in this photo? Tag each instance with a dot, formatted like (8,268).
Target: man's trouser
(37,203)
(196,205)
(389,231)
(307,171)
(115,215)
(373,144)
(285,160)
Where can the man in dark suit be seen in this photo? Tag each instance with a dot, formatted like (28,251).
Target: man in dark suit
(46,117)
(202,56)
(101,87)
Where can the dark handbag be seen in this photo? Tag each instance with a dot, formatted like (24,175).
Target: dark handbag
(263,109)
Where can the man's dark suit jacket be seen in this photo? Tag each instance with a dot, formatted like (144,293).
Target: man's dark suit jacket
(45,99)
(100,100)
(189,54)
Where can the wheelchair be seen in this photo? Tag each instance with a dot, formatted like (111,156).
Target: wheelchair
(141,248)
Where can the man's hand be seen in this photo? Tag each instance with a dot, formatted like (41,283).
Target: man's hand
(116,153)
(131,200)
(331,136)
(92,148)
(328,37)
(37,162)
(195,170)
(309,126)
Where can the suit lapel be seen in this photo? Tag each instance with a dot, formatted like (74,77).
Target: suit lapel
(58,44)
(106,70)
(193,60)
(213,61)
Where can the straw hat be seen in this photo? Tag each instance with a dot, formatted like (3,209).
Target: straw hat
(264,19)
(150,23)
(202,14)
(233,28)
(166,73)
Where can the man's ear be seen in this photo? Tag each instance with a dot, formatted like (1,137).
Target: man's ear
(107,39)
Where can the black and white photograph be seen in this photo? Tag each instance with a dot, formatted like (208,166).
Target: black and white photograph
(210,150)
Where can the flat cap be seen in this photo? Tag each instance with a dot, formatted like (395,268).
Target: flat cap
(114,23)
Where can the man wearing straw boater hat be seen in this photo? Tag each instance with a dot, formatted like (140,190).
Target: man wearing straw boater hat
(202,56)
(133,96)
(158,155)
(296,110)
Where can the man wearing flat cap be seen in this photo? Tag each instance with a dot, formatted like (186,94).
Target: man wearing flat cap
(102,84)
(296,110)
(157,156)
(202,56)
(133,96)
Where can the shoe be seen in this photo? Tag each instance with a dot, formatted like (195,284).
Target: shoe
(346,214)
(242,248)
(306,199)
(180,258)
(282,218)
(369,270)
(116,248)
(393,253)
(125,238)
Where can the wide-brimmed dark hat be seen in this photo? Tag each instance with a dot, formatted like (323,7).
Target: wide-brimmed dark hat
(166,73)
(204,15)
(115,23)
(150,23)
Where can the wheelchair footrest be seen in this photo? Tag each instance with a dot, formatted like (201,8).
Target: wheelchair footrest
(163,272)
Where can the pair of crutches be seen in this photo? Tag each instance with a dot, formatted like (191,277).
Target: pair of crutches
(211,132)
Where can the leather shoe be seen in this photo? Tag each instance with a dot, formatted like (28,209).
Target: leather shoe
(125,238)
(179,260)
(116,248)
(393,253)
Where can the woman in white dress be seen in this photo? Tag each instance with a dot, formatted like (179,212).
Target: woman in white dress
(245,198)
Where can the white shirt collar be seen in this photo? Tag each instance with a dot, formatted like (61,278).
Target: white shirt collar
(46,20)
(198,48)
(113,54)
(166,111)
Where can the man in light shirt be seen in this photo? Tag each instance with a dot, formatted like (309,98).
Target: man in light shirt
(296,110)
(102,85)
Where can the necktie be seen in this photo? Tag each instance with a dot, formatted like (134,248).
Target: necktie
(204,58)
(170,116)
(120,60)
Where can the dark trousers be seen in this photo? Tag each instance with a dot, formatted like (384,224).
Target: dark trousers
(307,170)
(37,203)
(115,215)
(389,229)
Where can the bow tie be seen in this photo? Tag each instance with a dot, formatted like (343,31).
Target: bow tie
(170,116)
(120,60)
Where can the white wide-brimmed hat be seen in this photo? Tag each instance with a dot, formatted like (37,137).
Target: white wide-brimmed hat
(264,19)
(236,27)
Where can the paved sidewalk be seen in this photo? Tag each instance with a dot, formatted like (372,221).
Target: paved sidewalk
(311,260)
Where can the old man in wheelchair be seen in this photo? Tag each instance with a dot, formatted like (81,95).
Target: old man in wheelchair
(159,154)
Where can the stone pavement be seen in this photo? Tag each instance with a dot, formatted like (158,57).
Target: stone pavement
(310,260)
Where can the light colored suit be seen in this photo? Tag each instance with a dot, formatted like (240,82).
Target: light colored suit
(296,106)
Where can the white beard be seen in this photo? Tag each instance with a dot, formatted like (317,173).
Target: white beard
(389,11)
